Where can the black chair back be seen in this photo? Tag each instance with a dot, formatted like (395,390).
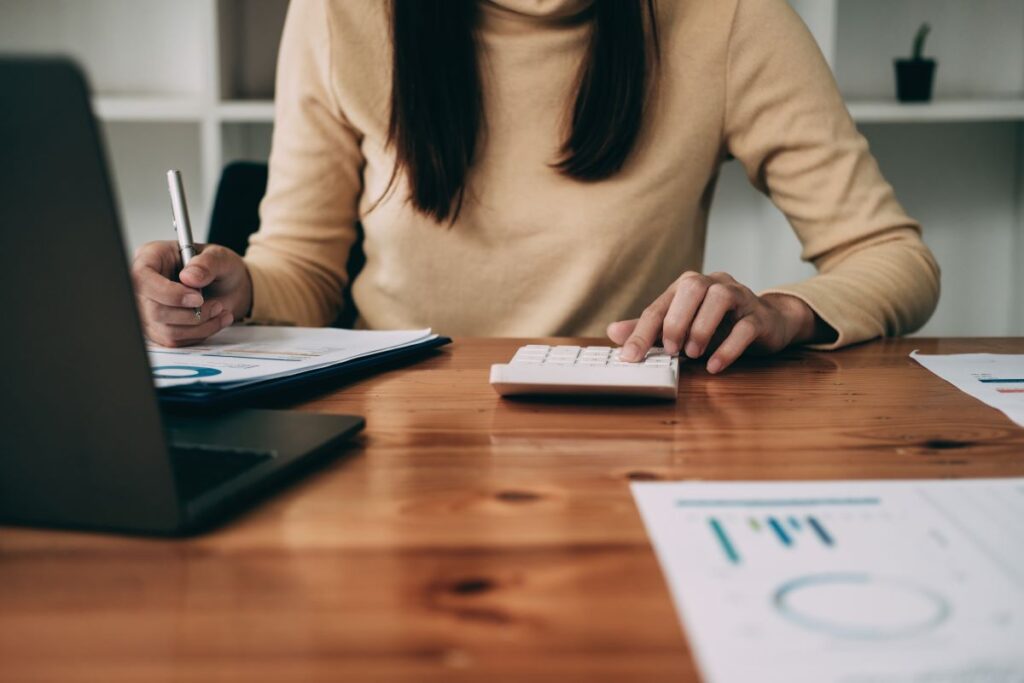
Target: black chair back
(236,209)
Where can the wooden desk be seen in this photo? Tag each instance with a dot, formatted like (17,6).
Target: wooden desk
(470,538)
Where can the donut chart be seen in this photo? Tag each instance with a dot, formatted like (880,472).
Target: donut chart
(183,372)
(860,606)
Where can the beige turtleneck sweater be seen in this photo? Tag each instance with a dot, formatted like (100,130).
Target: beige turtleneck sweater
(536,253)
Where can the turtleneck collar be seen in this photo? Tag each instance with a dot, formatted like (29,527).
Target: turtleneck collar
(539,11)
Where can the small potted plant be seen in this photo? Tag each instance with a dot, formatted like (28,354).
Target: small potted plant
(915,76)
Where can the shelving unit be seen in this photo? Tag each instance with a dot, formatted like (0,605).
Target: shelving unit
(957,163)
(190,84)
(187,84)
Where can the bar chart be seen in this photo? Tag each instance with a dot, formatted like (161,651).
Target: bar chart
(790,525)
(789,531)
(1003,385)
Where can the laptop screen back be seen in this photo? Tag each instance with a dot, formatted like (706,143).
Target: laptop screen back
(81,440)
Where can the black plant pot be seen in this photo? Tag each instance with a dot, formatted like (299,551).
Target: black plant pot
(914,79)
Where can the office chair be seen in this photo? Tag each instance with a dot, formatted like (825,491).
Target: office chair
(236,215)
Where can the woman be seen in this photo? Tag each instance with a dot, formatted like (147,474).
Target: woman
(546,167)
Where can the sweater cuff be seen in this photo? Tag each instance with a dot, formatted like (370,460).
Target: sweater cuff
(263,307)
(851,322)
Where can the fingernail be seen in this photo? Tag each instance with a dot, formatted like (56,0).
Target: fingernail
(192,300)
(630,352)
(714,365)
(671,348)
(693,349)
(215,309)
(226,320)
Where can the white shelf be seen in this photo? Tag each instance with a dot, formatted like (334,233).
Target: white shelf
(938,111)
(176,109)
(246,111)
(156,108)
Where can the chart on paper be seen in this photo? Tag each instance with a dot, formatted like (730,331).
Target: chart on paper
(251,353)
(994,378)
(845,582)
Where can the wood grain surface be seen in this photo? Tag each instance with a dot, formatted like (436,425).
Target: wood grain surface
(468,538)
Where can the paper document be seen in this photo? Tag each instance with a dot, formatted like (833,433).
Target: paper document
(845,582)
(250,353)
(993,378)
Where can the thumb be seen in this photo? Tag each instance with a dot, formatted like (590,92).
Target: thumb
(204,268)
(619,331)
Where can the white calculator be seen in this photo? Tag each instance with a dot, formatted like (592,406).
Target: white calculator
(594,370)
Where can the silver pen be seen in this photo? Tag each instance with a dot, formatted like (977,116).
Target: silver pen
(182,225)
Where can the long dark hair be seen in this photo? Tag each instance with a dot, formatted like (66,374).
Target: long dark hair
(437,104)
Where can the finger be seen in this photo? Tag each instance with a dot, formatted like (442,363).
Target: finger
(742,335)
(690,292)
(724,278)
(618,332)
(647,329)
(183,335)
(211,262)
(150,284)
(719,300)
(175,315)
(162,256)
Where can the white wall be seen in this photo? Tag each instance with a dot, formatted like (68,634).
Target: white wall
(152,47)
(140,155)
(978,45)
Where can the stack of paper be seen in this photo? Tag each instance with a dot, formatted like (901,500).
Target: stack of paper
(245,354)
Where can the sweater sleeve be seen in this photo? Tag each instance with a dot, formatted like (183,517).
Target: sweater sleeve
(308,217)
(787,124)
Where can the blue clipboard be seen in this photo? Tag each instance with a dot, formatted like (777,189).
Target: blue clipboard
(286,389)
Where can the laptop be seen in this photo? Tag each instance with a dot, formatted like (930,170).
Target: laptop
(83,442)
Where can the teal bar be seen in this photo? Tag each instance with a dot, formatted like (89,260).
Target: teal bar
(723,540)
(779,531)
(819,529)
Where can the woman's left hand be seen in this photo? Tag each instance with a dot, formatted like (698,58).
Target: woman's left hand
(699,312)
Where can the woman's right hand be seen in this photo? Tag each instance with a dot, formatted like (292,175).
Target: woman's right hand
(216,281)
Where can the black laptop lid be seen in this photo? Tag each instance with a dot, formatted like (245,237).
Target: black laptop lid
(81,441)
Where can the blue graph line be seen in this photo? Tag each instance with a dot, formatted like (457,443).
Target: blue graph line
(997,380)
(723,540)
(771,502)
